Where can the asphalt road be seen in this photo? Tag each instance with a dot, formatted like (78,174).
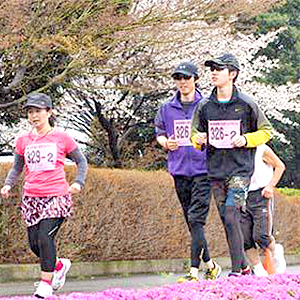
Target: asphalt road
(96,284)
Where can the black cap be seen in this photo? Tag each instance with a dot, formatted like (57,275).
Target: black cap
(226,59)
(38,100)
(186,68)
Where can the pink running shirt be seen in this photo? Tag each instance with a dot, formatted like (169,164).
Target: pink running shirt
(44,162)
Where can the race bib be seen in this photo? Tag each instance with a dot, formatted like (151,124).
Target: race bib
(220,133)
(182,130)
(41,157)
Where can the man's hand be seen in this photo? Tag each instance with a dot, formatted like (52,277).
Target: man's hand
(239,141)
(199,139)
(172,143)
(268,191)
(202,138)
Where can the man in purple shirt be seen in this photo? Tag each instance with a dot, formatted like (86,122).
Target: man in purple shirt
(187,165)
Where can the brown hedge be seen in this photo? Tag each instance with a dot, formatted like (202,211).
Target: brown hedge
(126,215)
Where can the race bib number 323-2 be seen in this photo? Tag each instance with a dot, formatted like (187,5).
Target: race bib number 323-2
(182,130)
(220,133)
(41,157)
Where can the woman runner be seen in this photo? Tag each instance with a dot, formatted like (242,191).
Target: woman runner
(46,200)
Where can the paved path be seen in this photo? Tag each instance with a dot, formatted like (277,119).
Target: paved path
(102,283)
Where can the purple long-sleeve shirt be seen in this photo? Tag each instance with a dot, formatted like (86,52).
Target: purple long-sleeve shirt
(186,160)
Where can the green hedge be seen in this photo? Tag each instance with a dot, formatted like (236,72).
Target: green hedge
(289,191)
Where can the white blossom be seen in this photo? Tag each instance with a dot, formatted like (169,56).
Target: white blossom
(201,42)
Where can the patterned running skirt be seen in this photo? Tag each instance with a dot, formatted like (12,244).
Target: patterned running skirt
(35,209)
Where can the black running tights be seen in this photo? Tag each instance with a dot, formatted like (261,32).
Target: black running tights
(194,195)
(41,240)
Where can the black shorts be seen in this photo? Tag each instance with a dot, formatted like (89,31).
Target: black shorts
(257,221)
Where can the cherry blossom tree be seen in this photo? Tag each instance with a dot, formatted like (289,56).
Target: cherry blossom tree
(108,57)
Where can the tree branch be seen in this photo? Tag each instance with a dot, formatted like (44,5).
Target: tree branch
(15,82)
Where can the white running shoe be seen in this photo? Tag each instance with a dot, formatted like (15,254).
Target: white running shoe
(43,290)
(59,277)
(260,271)
(280,263)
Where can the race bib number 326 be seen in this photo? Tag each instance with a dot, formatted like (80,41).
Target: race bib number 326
(41,157)
(182,130)
(220,133)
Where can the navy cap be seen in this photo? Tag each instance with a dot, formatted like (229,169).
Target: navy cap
(226,59)
(186,68)
(38,100)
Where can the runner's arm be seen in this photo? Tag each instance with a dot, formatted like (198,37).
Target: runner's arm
(160,130)
(263,134)
(270,158)
(81,162)
(198,135)
(15,171)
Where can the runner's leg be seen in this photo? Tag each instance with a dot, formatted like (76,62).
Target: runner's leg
(197,214)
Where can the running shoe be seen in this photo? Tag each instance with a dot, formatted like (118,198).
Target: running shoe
(280,263)
(43,290)
(260,271)
(234,274)
(247,271)
(59,277)
(187,277)
(213,273)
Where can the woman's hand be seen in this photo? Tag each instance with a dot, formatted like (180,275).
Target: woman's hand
(5,191)
(74,188)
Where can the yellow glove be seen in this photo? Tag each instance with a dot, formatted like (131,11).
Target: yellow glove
(196,142)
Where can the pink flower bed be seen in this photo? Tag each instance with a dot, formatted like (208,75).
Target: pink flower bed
(274,287)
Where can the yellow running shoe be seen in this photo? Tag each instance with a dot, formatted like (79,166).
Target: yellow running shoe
(187,277)
(213,273)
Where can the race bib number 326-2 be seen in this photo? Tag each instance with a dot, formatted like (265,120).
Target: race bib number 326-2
(220,133)
(41,157)
(182,130)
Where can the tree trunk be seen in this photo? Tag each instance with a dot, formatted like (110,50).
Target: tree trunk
(112,136)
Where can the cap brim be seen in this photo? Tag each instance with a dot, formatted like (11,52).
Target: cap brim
(34,105)
(182,73)
(211,62)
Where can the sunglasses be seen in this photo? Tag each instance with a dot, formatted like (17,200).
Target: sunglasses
(217,67)
(182,76)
